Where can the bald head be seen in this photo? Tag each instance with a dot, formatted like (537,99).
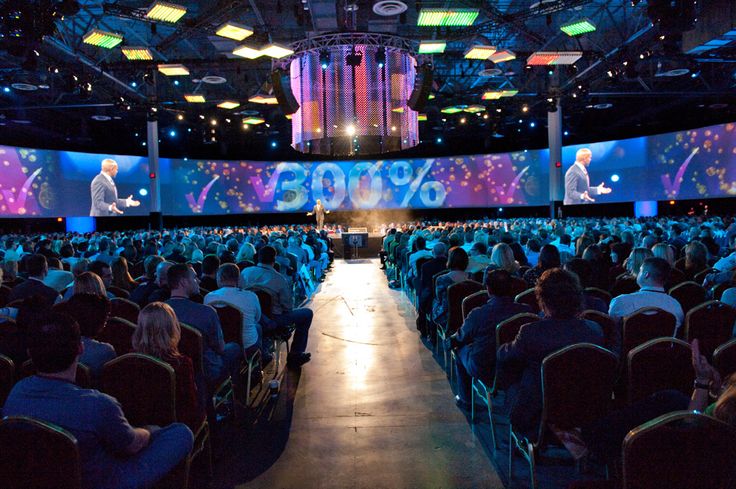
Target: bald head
(583,156)
(110,167)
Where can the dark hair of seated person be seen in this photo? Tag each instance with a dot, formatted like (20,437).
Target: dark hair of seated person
(36,265)
(582,269)
(210,264)
(53,342)
(91,312)
(457,259)
(498,283)
(176,274)
(549,257)
(658,268)
(559,294)
(267,255)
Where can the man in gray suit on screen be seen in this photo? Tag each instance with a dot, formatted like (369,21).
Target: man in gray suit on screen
(105,200)
(577,181)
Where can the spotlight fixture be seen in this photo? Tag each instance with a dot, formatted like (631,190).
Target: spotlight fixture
(194,98)
(173,70)
(165,12)
(228,104)
(235,31)
(432,47)
(324,59)
(578,27)
(447,17)
(381,56)
(479,52)
(247,52)
(137,53)
(103,39)
(353,59)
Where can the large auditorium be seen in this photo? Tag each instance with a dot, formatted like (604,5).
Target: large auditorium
(358,244)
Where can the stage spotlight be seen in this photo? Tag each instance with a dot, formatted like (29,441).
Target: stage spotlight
(324,59)
(274,144)
(354,59)
(532,125)
(6,89)
(566,133)
(381,57)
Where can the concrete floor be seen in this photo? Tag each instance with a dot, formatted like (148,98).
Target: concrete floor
(372,409)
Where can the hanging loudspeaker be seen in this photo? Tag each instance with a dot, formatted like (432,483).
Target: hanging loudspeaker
(422,87)
(282,90)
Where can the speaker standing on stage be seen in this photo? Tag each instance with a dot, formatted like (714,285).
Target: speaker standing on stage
(105,200)
(577,181)
(319,212)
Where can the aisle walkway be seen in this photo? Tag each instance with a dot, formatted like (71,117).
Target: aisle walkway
(372,409)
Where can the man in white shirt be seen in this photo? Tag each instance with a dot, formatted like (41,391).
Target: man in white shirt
(651,279)
(228,276)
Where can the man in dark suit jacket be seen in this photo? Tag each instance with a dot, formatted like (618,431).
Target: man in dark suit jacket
(577,181)
(37,268)
(423,282)
(476,339)
(105,200)
(519,363)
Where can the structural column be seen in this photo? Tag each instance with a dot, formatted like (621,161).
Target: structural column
(554,137)
(153,170)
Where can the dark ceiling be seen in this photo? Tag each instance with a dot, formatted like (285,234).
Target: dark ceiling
(93,99)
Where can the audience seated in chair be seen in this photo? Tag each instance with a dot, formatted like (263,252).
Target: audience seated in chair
(651,279)
(37,270)
(475,341)
(208,279)
(140,295)
(112,453)
(457,262)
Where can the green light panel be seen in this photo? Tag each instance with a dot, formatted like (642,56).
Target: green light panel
(444,17)
(578,28)
(432,47)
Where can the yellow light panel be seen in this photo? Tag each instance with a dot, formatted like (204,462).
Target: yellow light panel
(276,51)
(253,121)
(194,98)
(103,39)
(173,70)
(247,52)
(479,52)
(474,109)
(228,104)
(233,30)
(398,110)
(263,99)
(166,12)
(421,117)
(492,95)
(502,55)
(137,53)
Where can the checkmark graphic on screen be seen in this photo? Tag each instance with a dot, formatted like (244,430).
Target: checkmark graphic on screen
(17,200)
(507,195)
(198,206)
(672,187)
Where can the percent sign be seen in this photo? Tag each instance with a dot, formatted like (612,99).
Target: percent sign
(432,194)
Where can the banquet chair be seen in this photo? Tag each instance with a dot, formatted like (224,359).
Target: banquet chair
(711,323)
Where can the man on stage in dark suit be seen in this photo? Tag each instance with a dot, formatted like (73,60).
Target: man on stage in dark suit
(105,200)
(577,181)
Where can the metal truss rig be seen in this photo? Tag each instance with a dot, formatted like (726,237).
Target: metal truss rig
(346,39)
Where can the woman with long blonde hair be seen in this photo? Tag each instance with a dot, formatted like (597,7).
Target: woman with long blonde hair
(121,275)
(158,334)
(89,283)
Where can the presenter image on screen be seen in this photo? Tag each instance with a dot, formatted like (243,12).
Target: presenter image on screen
(319,212)
(577,181)
(105,201)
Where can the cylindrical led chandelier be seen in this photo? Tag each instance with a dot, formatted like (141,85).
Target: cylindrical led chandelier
(353,91)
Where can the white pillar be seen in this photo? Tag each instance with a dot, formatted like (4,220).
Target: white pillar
(554,137)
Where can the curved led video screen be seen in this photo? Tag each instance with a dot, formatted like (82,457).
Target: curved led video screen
(692,164)
(45,183)
(212,187)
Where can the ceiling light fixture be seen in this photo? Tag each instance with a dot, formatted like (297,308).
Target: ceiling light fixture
(578,27)
(432,47)
(479,52)
(253,121)
(137,53)
(228,104)
(247,52)
(194,98)
(542,58)
(502,55)
(173,70)
(447,17)
(165,12)
(235,31)
(103,39)
(274,50)
(263,99)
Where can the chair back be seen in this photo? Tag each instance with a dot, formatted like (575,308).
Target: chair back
(118,292)
(434,281)
(191,344)
(197,266)
(699,277)
(688,294)
(529,298)
(83,376)
(518,285)
(39,455)
(680,450)
(242,265)
(711,323)
(123,307)
(724,358)
(231,320)
(7,378)
(680,264)
(573,393)
(611,330)
(507,330)
(659,364)
(144,386)
(624,285)
(603,295)
(119,333)
(646,324)
(4,294)
(472,301)
(137,269)
(455,295)
(265,300)
(718,290)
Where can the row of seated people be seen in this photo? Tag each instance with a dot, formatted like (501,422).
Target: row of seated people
(198,372)
(512,362)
